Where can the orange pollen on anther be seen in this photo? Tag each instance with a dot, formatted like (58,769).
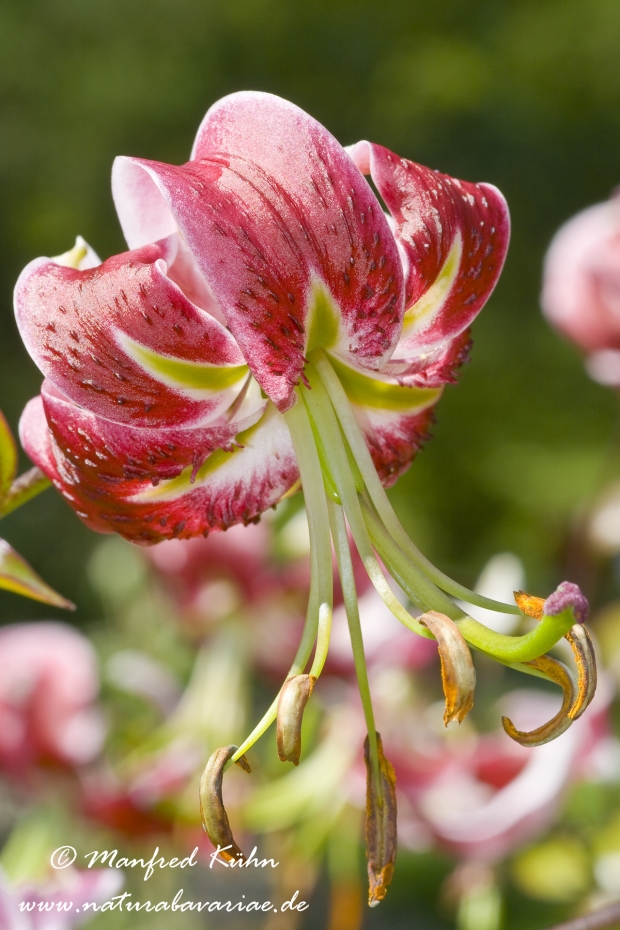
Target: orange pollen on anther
(529,604)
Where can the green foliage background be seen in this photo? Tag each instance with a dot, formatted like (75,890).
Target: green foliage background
(523,94)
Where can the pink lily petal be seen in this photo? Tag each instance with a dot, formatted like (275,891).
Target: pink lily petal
(122,340)
(454,237)
(581,285)
(394,415)
(110,452)
(231,487)
(286,233)
(394,439)
(435,367)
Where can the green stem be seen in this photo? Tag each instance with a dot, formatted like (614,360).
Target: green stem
(314,496)
(349,594)
(23,489)
(380,499)
(318,614)
(416,585)
(322,413)
(300,661)
(508,649)
(322,638)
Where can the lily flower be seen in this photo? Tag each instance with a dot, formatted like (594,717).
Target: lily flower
(271,325)
(49,684)
(581,287)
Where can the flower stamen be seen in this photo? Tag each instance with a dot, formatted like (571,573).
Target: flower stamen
(292,700)
(585,660)
(561,675)
(212,810)
(380,824)
(458,676)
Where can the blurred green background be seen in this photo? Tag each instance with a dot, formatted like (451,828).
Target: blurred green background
(522,94)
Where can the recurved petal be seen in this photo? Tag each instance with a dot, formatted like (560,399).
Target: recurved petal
(290,238)
(101,473)
(394,417)
(123,341)
(433,367)
(110,451)
(454,237)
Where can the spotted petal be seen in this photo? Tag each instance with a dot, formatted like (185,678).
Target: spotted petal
(230,487)
(108,451)
(123,341)
(453,237)
(290,238)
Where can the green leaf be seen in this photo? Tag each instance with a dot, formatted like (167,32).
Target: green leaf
(16,575)
(23,489)
(8,458)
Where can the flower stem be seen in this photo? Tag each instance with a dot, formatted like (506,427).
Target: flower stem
(416,585)
(322,413)
(504,648)
(318,615)
(380,499)
(349,594)
(322,638)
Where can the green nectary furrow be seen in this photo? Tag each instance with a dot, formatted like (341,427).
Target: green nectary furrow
(366,391)
(184,374)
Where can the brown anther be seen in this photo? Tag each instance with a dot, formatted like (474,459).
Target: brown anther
(557,672)
(583,652)
(212,811)
(380,825)
(292,702)
(458,675)
(585,660)
(529,604)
